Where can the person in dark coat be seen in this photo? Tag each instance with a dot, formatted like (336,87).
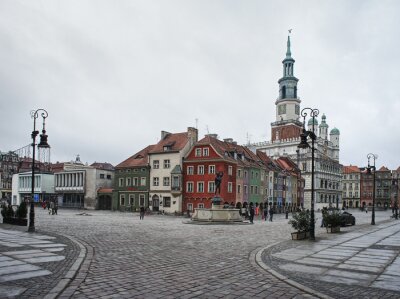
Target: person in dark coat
(271,213)
(251,218)
(141,217)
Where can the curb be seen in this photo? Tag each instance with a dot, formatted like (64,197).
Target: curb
(72,272)
(256,259)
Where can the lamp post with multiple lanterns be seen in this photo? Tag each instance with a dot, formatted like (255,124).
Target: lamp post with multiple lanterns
(304,144)
(42,144)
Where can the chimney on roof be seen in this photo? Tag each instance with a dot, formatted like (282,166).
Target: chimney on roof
(213,136)
(164,134)
(228,140)
(193,135)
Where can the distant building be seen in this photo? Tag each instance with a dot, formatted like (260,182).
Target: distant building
(132,182)
(78,185)
(9,165)
(351,182)
(285,138)
(165,160)
(22,187)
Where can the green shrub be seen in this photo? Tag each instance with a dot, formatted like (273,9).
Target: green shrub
(301,221)
(7,211)
(332,218)
(22,211)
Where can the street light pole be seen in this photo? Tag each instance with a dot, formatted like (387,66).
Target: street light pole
(374,157)
(43,144)
(304,144)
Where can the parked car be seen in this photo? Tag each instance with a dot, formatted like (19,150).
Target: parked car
(347,219)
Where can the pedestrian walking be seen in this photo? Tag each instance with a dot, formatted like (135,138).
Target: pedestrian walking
(271,213)
(251,218)
(141,217)
(55,207)
(265,213)
(51,209)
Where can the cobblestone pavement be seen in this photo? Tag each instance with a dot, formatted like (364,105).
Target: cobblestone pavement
(161,257)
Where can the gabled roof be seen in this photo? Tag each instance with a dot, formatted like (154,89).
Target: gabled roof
(175,142)
(383,168)
(351,169)
(103,166)
(139,159)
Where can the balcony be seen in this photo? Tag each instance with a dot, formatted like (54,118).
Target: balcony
(176,190)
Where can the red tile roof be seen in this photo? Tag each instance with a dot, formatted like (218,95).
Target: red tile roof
(176,142)
(351,169)
(383,168)
(139,159)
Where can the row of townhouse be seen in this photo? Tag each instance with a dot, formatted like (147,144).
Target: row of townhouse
(358,187)
(178,174)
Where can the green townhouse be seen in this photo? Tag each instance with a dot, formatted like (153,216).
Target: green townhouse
(132,182)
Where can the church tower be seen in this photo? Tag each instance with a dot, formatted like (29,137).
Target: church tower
(287,124)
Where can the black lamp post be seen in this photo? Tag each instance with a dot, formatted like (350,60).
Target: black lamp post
(373,156)
(304,144)
(43,144)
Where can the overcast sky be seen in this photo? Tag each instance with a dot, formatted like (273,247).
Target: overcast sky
(113,74)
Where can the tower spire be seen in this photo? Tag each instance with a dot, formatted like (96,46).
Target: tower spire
(288,53)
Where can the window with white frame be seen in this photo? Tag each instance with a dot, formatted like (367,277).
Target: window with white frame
(156,164)
(229,170)
(167,163)
(121,182)
(135,181)
(122,200)
(246,191)
(198,152)
(205,152)
(166,181)
(143,181)
(239,173)
(201,205)
(200,169)
(239,189)
(211,187)
(211,169)
(167,202)
(256,190)
(245,174)
(229,187)
(128,181)
(251,189)
(189,187)
(190,207)
(200,187)
(190,170)
(156,181)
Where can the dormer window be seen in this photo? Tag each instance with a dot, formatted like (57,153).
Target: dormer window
(198,152)
(167,148)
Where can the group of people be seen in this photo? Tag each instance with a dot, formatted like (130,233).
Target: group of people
(51,206)
(251,211)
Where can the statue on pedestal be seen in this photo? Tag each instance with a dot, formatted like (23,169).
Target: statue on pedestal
(218,180)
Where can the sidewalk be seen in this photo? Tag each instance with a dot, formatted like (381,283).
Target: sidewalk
(362,263)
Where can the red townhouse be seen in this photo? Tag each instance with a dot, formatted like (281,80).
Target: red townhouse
(200,166)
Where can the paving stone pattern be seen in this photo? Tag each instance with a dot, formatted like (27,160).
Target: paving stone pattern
(359,264)
(32,263)
(161,257)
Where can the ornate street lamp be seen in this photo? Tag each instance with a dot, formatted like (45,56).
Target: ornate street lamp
(373,156)
(42,144)
(304,144)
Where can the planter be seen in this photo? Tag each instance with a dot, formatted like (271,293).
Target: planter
(299,235)
(333,229)
(16,221)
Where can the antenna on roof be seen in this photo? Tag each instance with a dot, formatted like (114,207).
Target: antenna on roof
(248,136)
(197,122)
(208,131)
